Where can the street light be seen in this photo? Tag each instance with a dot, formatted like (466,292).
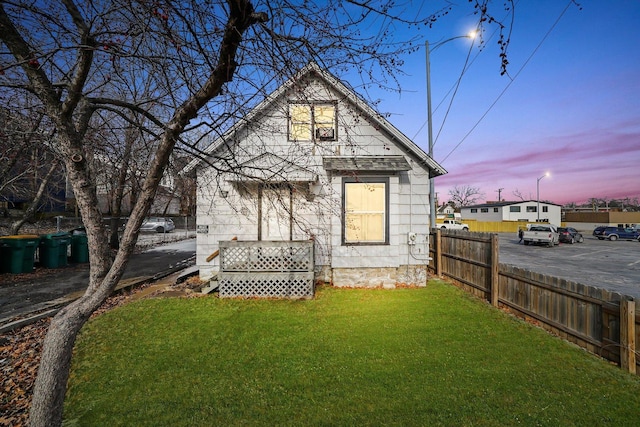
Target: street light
(432,186)
(538,193)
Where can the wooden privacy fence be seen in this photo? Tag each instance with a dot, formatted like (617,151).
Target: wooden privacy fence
(603,322)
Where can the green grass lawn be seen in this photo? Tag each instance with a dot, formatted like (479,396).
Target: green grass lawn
(424,357)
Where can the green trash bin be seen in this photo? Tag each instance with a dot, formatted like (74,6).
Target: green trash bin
(79,247)
(53,249)
(17,253)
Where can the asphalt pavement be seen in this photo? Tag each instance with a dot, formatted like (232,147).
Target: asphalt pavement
(612,265)
(43,289)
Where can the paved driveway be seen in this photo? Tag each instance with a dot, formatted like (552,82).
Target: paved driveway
(28,292)
(601,263)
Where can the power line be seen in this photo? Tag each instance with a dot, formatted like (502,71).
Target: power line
(444,98)
(510,82)
(455,86)
(465,67)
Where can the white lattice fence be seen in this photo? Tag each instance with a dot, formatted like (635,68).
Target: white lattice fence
(266,285)
(267,269)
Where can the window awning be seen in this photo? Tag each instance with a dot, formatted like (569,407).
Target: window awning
(366,164)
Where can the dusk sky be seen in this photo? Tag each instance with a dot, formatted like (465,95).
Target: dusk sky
(570,108)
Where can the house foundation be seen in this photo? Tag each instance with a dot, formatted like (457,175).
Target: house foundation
(383,277)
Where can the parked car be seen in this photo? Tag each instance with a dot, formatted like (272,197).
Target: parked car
(158,224)
(570,235)
(597,232)
(615,233)
(452,224)
(544,234)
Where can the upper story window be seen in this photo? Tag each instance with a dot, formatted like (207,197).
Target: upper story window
(532,209)
(495,209)
(545,209)
(312,122)
(484,210)
(474,210)
(514,208)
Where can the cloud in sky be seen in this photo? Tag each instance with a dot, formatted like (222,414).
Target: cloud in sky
(600,163)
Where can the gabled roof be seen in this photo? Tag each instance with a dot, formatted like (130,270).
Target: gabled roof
(377,119)
(500,204)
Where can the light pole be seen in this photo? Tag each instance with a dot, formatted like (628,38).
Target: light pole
(432,185)
(538,193)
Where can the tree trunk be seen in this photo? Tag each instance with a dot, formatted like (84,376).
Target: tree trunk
(114,240)
(49,391)
(53,373)
(50,387)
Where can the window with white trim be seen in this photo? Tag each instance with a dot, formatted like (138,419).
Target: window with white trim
(312,122)
(365,211)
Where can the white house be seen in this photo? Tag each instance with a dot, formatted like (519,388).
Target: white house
(314,163)
(447,211)
(525,211)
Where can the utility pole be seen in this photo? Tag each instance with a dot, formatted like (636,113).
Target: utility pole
(499,190)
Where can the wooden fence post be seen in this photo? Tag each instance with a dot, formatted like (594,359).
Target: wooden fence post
(628,335)
(495,271)
(438,253)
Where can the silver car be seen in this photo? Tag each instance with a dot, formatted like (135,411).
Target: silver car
(158,224)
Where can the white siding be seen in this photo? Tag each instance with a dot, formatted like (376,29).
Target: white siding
(321,217)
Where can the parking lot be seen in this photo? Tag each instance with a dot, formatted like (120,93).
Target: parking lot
(601,263)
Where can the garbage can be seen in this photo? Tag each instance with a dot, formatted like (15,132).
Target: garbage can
(79,246)
(53,249)
(17,253)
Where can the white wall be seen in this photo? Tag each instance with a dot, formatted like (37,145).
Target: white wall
(237,214)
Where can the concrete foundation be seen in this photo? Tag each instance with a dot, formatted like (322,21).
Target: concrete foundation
(387,278)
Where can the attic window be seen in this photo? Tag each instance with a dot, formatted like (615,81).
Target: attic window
(312,122)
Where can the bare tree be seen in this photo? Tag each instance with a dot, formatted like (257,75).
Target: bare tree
(464,195)
(33,205)
(28,170)
(207,64)
(518,194)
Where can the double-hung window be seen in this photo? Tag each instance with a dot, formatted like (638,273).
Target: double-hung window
(366,211)
(312,122)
